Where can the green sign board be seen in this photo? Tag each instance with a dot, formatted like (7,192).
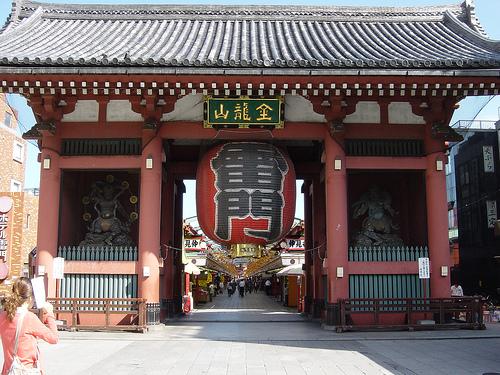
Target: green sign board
(243,112)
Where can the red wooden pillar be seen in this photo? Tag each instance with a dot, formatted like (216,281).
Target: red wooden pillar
(437,224)
(48,211)
(149,220)
(336,220)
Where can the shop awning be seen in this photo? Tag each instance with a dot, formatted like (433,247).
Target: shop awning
(192,268)
(292,270)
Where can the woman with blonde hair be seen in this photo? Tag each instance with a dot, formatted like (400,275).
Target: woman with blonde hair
(16,313)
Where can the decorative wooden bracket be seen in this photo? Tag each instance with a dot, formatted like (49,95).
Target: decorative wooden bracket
(335,109)
(438,113)
(48,109)
(152,108)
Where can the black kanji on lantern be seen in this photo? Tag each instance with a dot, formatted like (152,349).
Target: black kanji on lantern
(249,181)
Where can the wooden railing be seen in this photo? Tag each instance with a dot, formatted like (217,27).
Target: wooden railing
(101,313)
(464,312)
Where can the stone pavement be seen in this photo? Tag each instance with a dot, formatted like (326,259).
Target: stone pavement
(250,308)
(198,345)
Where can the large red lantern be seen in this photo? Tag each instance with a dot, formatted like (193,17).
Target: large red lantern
(245,194)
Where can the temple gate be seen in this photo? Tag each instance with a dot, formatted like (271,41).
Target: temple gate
(121,97)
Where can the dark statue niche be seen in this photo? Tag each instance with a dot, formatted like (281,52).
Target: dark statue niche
(111,223)
(377,227)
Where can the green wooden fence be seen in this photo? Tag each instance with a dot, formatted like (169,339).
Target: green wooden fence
(99,253)
(387,286)
(98,286)
(387,254)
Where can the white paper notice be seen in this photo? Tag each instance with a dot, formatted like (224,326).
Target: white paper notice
(424,268)
(38,291)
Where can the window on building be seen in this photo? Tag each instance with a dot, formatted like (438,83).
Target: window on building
(8,119)
(15,186)
(27,223)
(18,152)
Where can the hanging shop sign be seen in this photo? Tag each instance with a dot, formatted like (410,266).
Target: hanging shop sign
(195,244)
(489,159)
(294,244)
(6,204)
(491,213)
(243,112)
(245,195)
(11,229)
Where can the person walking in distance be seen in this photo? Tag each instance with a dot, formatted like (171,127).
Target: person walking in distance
(17,323)
(241,287)
(268,287)
(456,291)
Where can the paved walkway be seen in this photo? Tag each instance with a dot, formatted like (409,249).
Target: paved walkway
(197,345)
(253,307)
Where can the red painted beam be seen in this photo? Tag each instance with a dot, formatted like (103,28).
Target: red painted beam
(101,268)
(100,162)
(193,130)
(377,162)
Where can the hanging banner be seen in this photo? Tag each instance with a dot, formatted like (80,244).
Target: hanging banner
(11,232)
(6,204)
(243,112)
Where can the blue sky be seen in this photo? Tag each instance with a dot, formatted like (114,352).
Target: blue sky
(486,10)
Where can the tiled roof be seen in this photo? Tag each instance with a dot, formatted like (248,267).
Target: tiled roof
(443,37)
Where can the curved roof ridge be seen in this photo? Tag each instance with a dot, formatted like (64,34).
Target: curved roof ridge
(465,30)
(19,24)
(470,10)
(213,11)
(283,37)
(13,19)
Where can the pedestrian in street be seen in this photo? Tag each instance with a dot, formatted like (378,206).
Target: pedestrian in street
(249,286)
(221,287)
(268,287)
(229,289)
(211,291)
(256,286)
(20,329)
(241,286)
(456,291)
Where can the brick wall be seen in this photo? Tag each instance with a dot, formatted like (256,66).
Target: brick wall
(12,168)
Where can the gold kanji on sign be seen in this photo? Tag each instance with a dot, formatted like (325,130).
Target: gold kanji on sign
(264,110)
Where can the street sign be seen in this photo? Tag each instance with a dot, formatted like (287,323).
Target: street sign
(423,268)
(58,268)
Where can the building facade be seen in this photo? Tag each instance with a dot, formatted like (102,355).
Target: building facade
(20,211)
(362,103)
(478,200)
